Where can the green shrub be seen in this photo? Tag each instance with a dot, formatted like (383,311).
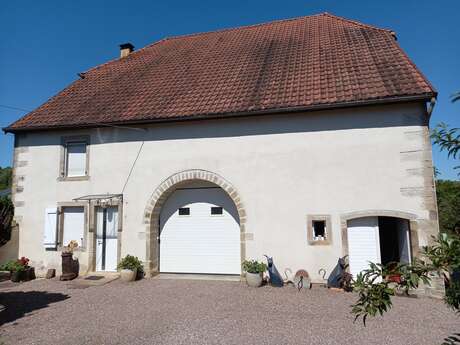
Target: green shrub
(13,266)
(130,262)
(253,266)
(6,217)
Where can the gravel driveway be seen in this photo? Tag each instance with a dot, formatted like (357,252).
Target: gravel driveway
(155,311)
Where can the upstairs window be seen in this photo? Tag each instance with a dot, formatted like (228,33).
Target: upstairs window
(76,159)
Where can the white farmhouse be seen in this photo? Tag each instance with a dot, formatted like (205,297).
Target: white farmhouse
(304,139)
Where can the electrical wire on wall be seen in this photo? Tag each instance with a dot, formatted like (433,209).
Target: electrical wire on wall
(132,166)
(102,125)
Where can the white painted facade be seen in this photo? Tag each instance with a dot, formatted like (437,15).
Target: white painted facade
(284,168)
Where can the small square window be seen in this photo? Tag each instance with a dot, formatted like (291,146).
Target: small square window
(217,210)
(184,211)
(319,230)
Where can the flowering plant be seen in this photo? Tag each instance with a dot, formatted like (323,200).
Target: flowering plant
(18,265)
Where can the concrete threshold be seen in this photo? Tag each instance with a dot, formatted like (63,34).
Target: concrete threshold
(193,276)
(93,279)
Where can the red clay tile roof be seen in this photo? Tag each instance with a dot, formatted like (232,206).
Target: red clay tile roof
(296,64)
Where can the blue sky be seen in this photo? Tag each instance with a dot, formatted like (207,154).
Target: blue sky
(44,44)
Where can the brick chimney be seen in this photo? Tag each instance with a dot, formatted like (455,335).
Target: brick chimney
(126,49)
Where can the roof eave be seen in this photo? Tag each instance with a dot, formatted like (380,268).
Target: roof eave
(398,99)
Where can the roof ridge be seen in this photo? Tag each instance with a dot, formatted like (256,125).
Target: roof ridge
(119,58)
(246,26)
(238,28)
(356,22)
(201,33)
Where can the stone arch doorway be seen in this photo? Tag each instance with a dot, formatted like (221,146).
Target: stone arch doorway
(380,236)
(164,191)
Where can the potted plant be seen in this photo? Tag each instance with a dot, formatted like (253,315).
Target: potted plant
(254,272)
(129,266)
(19,270)
(393,275)
(69,268)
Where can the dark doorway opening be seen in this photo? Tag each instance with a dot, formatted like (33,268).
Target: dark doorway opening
(394,240)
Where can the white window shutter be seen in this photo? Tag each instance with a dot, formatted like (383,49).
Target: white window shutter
(76,159)
(50,232)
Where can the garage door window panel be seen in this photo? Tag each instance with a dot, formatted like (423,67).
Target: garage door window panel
(184,211)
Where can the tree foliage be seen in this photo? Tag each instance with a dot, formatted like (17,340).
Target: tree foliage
(456,97)
(448,195)
(6,217)
(5,178)
(448,138)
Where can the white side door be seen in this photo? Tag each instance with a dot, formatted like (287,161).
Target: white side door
(205,238)
(106,239)
(363,243)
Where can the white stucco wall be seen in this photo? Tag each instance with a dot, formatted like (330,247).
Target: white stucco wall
(284,168)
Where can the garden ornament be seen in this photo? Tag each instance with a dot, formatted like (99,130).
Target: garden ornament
(275,278)
(302,280)
(322,272)
(289,277)
(336,278)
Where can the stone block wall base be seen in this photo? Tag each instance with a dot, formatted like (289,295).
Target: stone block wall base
(435,289)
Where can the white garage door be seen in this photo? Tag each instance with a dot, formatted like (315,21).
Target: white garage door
(363,243)
(200,233)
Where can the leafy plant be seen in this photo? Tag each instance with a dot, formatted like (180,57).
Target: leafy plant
(444,254)
(375,290)
(132,263)
(453,339)
(452,297)
(19,265)
(254,266)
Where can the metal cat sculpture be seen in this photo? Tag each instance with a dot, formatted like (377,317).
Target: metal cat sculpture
(275,278)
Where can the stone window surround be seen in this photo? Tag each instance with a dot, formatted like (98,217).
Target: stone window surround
(63,157)
(323,217)
(60,222)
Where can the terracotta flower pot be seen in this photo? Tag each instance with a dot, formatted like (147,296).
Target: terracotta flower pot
(128,275)
(254,279)
(394,278)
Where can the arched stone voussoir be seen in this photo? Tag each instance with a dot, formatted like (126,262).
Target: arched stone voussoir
(161,194)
